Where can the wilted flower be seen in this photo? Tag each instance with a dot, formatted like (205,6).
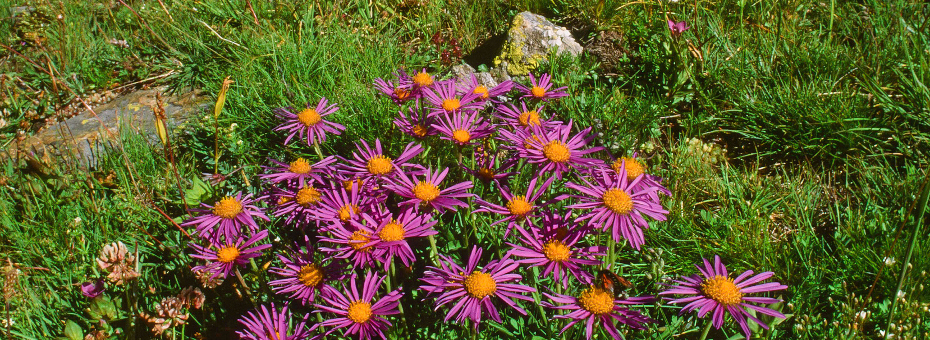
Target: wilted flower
(170,312)
(192,297)
(116,260)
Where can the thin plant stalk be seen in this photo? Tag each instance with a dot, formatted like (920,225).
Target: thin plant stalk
(706,330)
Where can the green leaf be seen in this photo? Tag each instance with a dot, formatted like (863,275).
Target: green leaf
(197,192)
(73,331)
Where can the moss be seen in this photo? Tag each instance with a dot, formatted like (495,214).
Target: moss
(518,64)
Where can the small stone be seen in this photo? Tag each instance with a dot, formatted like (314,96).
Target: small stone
(529,41)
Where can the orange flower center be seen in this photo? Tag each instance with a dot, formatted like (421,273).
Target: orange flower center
(556,151)
(426,191)
(723,290)
(597,301)
(284,199)
(346,212)
(479,284)
(310,275)
(518,206)
(482,90)
(556,251)
(380,165)
(393,231)
(401,93)
(528,143)
(300,166)
(227,254)
(486,174)
(461,136)
(227,208)
(357,182)
(419,130)
(308,196)
(538,92)
(309,117)
(633,167)
(618,201)
(451,104)
(360,239)
(359,312)
(529,118)
(423,79)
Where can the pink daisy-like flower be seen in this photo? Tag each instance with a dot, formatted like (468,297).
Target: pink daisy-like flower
(416,123)
(487,168)
(519,208)
(426,191)
(471,290)
(357,312)
(299,204)
(341,206)
(484,93)
(542,90)
(522,118)
(615,205)
(635,168)
(226,218)
(309,123)
(373,163)
(444,100)
(393,234)
(265,324)
(302,275)
(399,93)
(555,151)
(717,294)
(300,170)
(420,80)
(223,259)
(595,305)
(463,128)
(357,244)
(557,251)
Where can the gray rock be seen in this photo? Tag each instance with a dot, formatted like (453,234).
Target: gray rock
(530,39)
(464,72)
(82,138)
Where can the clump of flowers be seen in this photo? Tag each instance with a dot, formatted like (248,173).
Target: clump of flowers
(119,264)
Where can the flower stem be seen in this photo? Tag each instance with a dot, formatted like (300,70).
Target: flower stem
(706,330)
(316,147)
(434,252)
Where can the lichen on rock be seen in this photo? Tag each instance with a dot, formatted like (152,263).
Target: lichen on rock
(530,39)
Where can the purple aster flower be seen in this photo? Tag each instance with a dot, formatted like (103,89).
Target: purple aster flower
(340,206)
(717,294)
(634,168)
(542,90)
(309,123)
(416,123)
(677,28)
(523,118)
(470,290)
(463,128)
(487,168)
(555,151)
(299,204)
(265,324)
(399,93)
(484,94)
(373,163)
(302,275)
(357,244)
(595,305)
(614,205)
(92,289)
(393,234)
(300,170)
(226,218)
(420,80)
(519,208)
(223,259)
(559,252)
(358,313)
(445,101)
(425,191)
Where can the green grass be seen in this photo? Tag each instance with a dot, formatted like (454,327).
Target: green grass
(823,112)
